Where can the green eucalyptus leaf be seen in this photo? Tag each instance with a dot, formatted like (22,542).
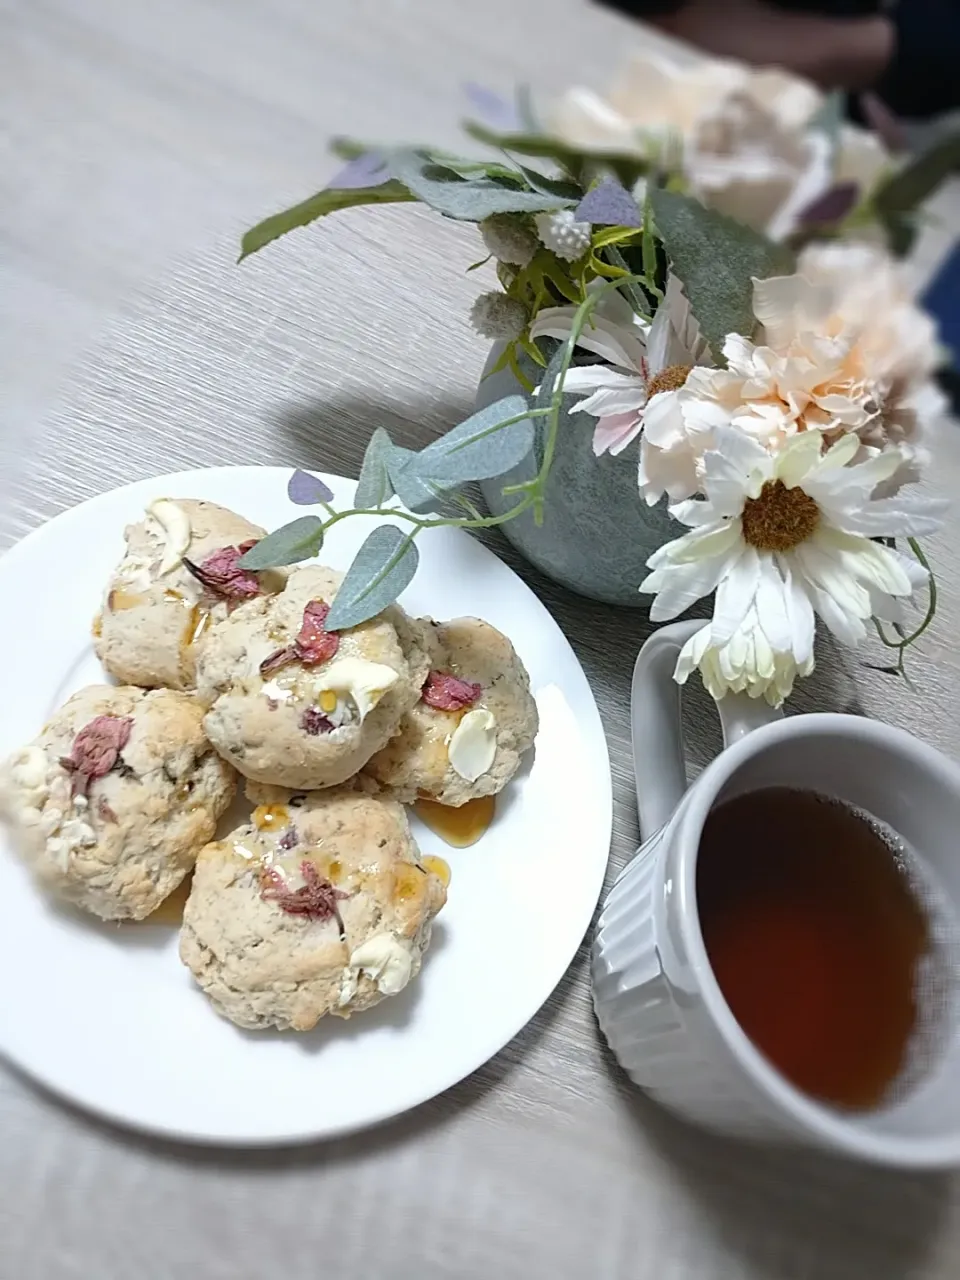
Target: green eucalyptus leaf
(716,258)
(466,199)
(918,179)
(381,569)
(469,169)
(523,144)
(560,187)
(533,143)
(630,289)
(350,148)
(301,539)
(487,444)
(417,491)
(375,487)
(318,206)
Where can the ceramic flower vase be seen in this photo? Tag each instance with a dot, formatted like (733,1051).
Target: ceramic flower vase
(597,533)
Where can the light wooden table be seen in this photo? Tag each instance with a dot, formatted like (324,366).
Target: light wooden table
(137,140)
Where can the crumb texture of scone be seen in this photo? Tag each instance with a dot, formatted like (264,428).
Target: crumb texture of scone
(294,705)
(155,610)
(475,719)
(111,803)
(319,905)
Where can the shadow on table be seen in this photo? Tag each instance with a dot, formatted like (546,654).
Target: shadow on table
(332,434)
(792,1211)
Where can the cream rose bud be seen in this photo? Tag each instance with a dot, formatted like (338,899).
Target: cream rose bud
(742,137)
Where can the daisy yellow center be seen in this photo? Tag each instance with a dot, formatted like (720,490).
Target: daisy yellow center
(780,519)
(670,379)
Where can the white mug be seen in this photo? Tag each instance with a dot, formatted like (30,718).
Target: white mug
(655,995)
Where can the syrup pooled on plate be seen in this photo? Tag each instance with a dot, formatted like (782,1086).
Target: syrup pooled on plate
(170,910)
(819,930)
(457,827)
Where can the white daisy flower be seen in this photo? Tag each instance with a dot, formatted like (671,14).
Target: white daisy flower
(647,361)
(783,536)
(745,664)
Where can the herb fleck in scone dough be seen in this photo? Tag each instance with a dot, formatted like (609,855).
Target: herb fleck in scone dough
(154,610)
(295,706)
(112,802)
(319,905)
(421,761)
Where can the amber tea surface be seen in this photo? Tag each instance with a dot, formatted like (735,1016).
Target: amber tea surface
(816,934)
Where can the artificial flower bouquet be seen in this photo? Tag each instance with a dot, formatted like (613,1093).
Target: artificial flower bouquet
(706,260)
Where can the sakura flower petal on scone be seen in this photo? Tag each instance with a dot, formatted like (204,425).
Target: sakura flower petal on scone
(178,574)
(320,905)
(111,803)
(293,704)
(474,721)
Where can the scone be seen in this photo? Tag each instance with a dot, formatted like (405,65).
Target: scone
(178,574)
(112,802)
(319,905)
(475,719)
(298,706)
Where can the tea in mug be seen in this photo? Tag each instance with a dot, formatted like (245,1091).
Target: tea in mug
(826,941)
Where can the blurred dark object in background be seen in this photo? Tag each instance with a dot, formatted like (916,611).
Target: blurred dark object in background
(942,300)
(908,53)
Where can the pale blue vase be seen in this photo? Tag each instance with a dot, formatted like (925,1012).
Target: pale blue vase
(597,532)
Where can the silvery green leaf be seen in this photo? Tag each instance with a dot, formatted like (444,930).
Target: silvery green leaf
(318,206)
(608,204)
(716,259)
(301,539)
(374,487)
(305,490)
(381,569)
(418,492)
(539,144)
(919,178)
(479,448)
(468,199)
(452,168)
(551,186)
(549,380)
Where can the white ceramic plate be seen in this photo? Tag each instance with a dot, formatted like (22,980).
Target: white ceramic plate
(107,1016)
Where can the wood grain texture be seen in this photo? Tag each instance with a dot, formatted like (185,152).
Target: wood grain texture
(138,140)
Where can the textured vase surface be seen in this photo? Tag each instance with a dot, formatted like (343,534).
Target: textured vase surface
(597,532)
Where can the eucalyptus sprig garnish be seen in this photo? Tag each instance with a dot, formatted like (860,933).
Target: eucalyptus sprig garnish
(488,444)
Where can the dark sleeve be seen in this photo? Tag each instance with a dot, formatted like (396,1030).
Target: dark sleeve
(644,8)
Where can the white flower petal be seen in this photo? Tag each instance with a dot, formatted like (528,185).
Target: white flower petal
(798,457)
(663,423)
(608,403)
(735,595)
(845,625)
(827,575)
(870,562)
(799,613)
(707,541)
(683,586)
(618,344)
(773,613)
(599,377)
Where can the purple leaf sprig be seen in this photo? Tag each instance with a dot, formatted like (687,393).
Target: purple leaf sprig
(305,490)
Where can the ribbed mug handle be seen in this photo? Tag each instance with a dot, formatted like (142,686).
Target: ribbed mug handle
(656,728)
